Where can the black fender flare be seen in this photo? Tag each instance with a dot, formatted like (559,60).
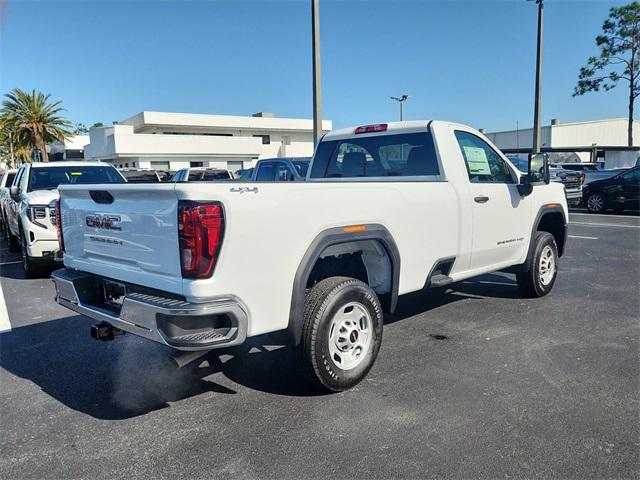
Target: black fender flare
(327,238)
(544,210)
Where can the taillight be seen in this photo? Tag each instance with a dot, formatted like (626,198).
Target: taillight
(583,177)
(200,231)
(381,127)
(57,221)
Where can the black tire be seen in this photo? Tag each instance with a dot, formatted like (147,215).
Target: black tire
(3,228)
(31,269)
(12,242)
(322,304)
(532,280)
(596,202)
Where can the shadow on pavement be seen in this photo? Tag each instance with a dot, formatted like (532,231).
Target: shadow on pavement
(486,286)
(15,271)
(132,376)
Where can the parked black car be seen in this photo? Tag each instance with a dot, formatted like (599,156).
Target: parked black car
(139,175)
(621,192)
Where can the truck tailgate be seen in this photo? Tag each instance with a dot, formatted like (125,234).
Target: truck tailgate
(124,232)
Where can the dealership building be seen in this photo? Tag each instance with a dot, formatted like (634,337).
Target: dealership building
(595,141)
(171,141)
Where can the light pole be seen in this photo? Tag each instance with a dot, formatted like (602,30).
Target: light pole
(538,95)
(317,87)
(401,100)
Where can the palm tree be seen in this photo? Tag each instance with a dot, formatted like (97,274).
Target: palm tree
(14,146)
(34,118)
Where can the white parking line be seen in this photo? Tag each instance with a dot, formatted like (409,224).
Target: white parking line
(585,238)
(605,224)
(5,325)
(11,263)
(571,214)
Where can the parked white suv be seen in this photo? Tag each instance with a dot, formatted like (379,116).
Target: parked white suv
(29,206)
(386,210)
(5,185)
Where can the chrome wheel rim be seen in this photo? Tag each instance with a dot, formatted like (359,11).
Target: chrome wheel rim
(547,265)
(350,335)
(595,203)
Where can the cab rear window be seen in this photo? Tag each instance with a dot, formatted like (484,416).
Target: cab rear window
(379,156)
(49,178)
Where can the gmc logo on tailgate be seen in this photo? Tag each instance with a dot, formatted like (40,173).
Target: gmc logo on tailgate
(107,222)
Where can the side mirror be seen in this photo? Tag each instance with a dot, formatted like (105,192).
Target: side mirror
(539,168)
(537,172)
(14,191)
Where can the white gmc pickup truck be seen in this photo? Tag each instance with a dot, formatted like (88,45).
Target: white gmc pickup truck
(387,209)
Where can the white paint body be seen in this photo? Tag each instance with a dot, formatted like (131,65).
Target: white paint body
(269,229)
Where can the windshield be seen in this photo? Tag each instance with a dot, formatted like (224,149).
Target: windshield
(301,166)
(48,178)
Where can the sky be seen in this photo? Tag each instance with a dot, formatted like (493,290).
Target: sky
(471,62)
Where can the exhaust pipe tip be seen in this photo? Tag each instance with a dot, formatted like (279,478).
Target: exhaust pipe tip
(182,359)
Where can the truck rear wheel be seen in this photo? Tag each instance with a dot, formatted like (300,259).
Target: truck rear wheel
(541,269)
(342,333)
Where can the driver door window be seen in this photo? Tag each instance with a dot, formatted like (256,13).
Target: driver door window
(484,164)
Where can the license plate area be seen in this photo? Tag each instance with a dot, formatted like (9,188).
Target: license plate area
(114,293)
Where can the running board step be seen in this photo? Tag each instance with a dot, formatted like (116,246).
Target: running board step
(199,337)
(440,281)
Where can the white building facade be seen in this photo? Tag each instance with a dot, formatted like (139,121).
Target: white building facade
(600,140)
(171,141)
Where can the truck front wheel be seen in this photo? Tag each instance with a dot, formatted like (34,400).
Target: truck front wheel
(13,242)
(342,333)
(540,270)
(31,269)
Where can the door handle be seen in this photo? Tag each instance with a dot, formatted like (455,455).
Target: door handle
(481,199)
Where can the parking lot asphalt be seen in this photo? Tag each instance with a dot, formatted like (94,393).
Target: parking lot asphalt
(471,382)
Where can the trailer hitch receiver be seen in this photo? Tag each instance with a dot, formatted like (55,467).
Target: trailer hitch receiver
(105,332)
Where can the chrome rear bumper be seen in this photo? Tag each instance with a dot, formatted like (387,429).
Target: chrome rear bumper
(181,325)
